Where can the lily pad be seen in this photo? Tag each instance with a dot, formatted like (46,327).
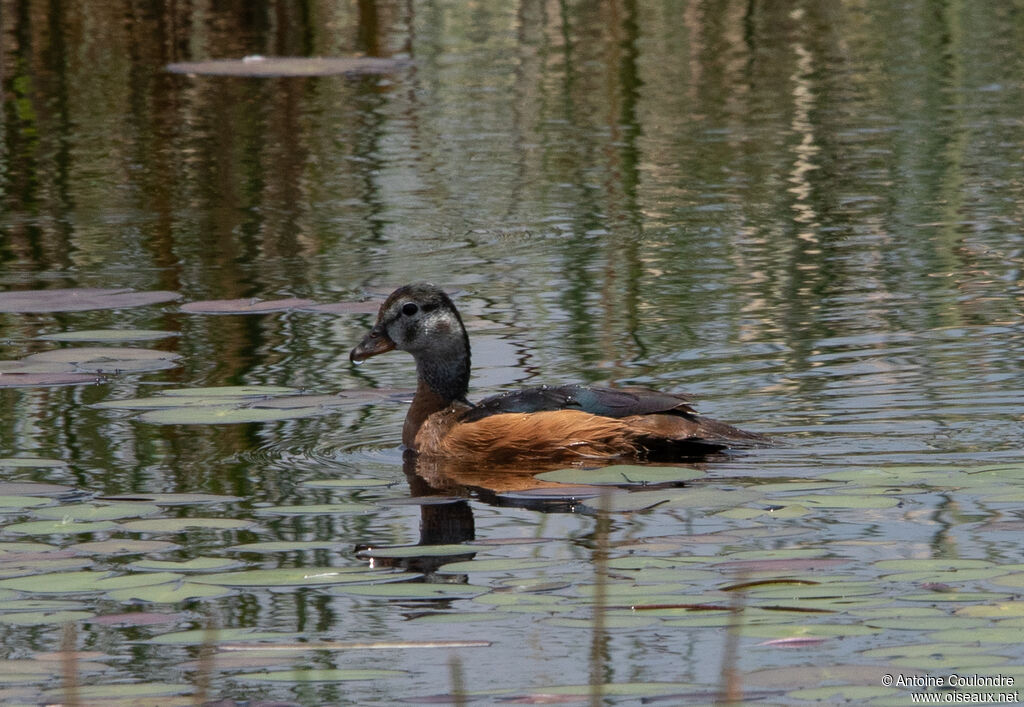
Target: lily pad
(270,66)
(252,305)
(122,546)
(173,499)
(302,577)
(622,474)
(316,509)
(109,335)
(516,564)
(418,551)
(79,299)
(415,591)
(96,511)
(226,415)
(180,525)
(301,675)
(42,380)
(28,488)
(197,564)
(85,581)
(59,527)
(195,637)
(285,546)
(40,618)
(168,593)
(347,483)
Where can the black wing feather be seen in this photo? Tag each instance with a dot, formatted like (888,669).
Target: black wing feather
(609,402)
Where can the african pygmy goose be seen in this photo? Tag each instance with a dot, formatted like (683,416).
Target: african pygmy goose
(569,422)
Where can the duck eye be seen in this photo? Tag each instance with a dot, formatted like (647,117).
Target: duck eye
(409,309)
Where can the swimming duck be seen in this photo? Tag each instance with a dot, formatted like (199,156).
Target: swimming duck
(562,423)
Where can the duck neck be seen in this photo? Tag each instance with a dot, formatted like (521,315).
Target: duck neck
(441,383)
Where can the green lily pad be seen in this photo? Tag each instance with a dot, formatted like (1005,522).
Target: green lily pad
(180,525)
(13,504)
(414,591)
(199,636)
(607,621)
(231,391)
(316,509)
(109,335)
(226,415)
(275,66)
(173,499)
(109,359)
(88,512)
(419,551)
(705,497)
(300,675)
(198,564)
(122,546)
(807,630)
(123,691)
(302,577)
(994,634)
(85,581)
(955,597)
(285,546)
(1002,610)
(622,474)
(347,483)
(40,618)
(168,593)
(915,623)
(58,527)
(461,617)
(495,565)
(824,500)
(931,565)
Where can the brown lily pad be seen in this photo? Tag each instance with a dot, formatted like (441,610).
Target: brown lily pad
(245,305)
(271,67)
(79,299)
(368,307)
(40,380)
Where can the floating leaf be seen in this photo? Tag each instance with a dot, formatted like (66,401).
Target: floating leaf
(109,335)
(180,525)
(302,577)
(269,67)
(168,593)
(28,488)
(609,621)
(114,691)
(847,693)
(415,591)
(85,581)
(300,675)
(122,546)
(1002,610)
(96,511)
(226,415)
(868,501)
(347,483)
(622,474)
(39,380)
(495,565)
(13,504)
(252,305)
(39,618)
(173,499)
(366,307)
(58,527)
(316,509)
(200,636)
(197,564)
(286,546)
(418,551)
(79,299)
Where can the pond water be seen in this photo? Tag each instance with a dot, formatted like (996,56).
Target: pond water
(808,215)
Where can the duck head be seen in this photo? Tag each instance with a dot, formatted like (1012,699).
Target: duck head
(422,320)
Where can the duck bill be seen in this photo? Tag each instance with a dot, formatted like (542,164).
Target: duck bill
(373,344)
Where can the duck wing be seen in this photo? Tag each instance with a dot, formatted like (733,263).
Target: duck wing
(606,402)
(661,424)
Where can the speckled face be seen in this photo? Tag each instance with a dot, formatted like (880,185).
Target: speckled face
(418,318)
